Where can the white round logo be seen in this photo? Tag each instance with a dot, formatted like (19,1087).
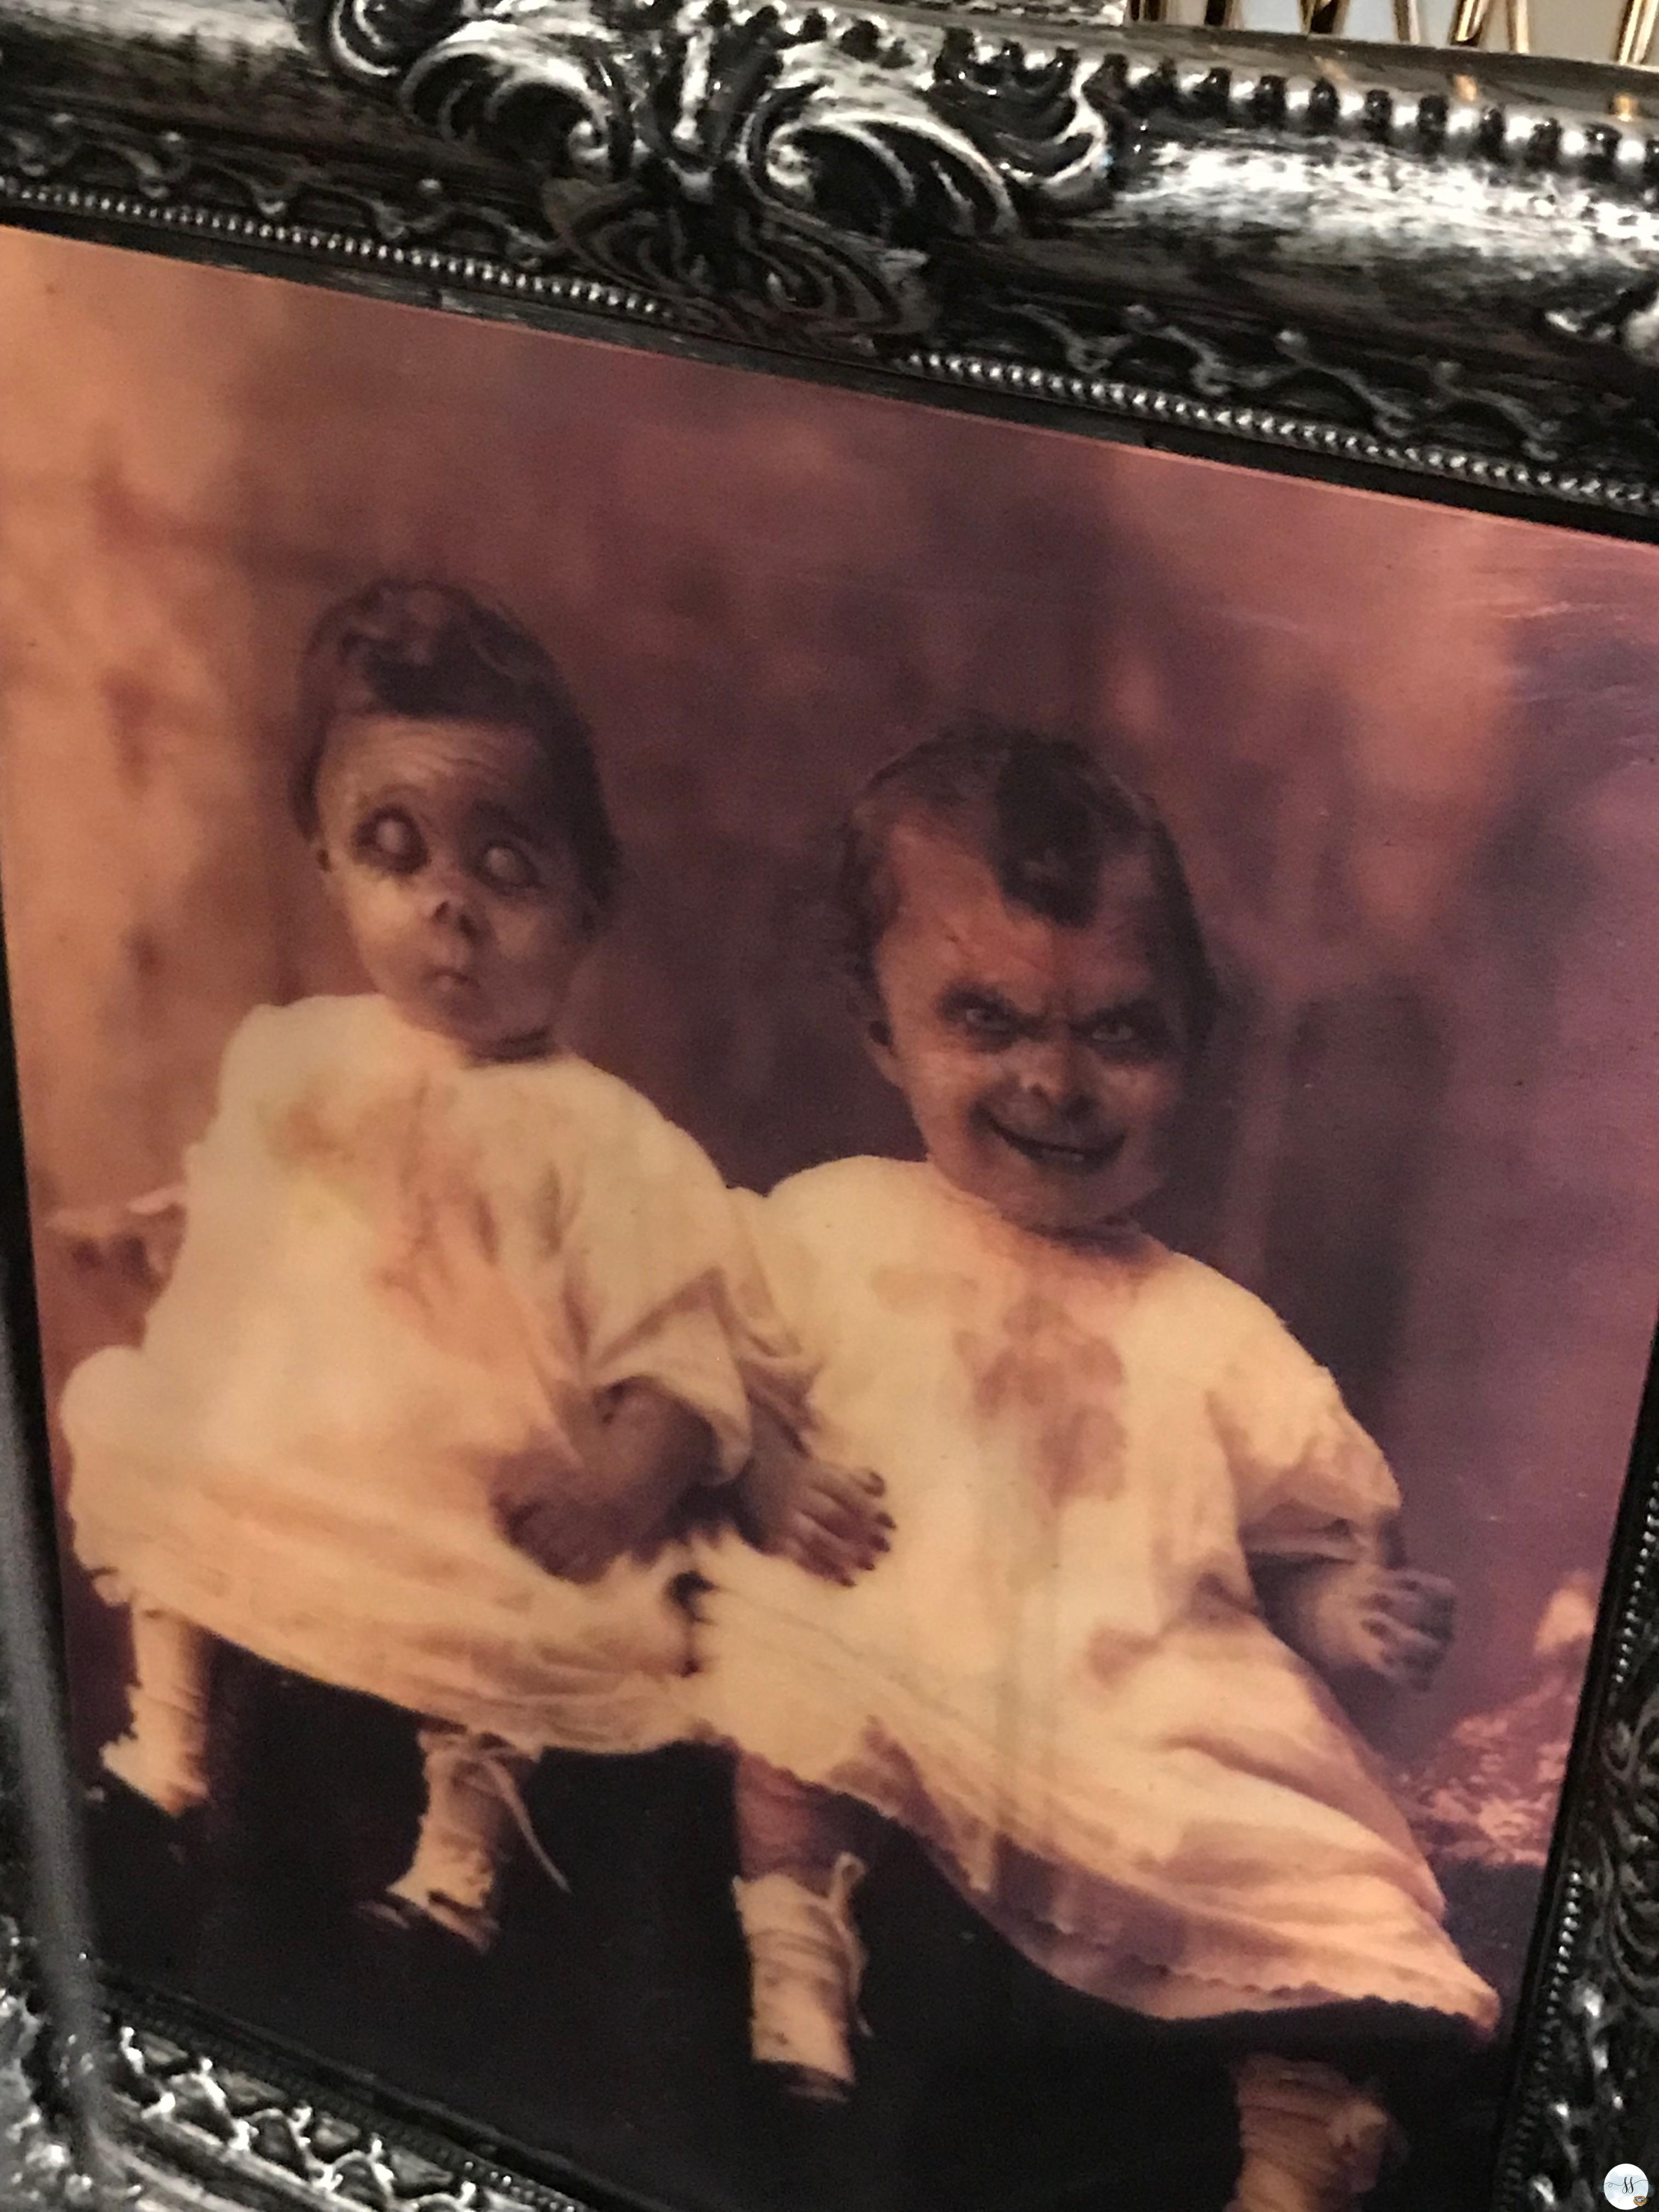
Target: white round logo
(1626,2186)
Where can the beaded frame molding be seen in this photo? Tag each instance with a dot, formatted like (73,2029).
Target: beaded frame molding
(1424,272)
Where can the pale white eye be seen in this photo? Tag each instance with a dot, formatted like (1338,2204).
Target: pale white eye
(393,840)
(507,868)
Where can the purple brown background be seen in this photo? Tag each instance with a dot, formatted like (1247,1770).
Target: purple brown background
(1410,755)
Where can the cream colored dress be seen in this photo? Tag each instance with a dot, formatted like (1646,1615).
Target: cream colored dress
(1059,1678)
(400,1271)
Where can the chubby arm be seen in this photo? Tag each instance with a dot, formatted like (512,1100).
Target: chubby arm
(1319,1519)
(826,1518)
(648,1450)
(1354,1619)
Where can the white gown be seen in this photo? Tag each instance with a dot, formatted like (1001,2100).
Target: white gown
(1058,1679)
(399,1269)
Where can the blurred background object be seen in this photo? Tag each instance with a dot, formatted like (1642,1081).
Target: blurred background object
(1574,30)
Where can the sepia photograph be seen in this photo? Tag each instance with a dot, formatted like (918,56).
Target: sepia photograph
(845,1223)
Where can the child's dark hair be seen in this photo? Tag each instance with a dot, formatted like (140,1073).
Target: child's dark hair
(427,649)
(1049,820)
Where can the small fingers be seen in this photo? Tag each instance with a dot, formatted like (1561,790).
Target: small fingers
(829,1540)
(844,1524)
(808,1545)
(1426,1600)
(1419,1578)
(1396,1628)
(857,1491)
(856,1561)
(1433,1588)
(1411,1658)
(1429,1614)
(1438,1616)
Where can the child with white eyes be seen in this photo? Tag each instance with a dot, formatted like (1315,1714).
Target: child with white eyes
(457,1322)
(1135,1524)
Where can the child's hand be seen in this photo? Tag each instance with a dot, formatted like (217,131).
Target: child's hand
(576,1519)
(1403,1624)
(573,1539)
(1363,1618)
(827,1519)
(833,1524)
(137,1238)
(553,1510)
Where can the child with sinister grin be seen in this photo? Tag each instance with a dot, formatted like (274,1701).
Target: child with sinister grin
(1135,1524)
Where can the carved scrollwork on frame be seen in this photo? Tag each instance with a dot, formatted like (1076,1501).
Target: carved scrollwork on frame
(37,2164)
(1511,420)
(179,178)
(1597,2011)
(751,167)
(1628,1849)
(231,2125)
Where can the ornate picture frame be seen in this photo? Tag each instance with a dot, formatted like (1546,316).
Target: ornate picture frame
(1391,269)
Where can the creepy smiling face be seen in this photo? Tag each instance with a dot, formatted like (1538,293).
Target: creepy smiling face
(438,839)
(1044,1064)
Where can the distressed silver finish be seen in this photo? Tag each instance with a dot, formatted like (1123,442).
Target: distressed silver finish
(1330,257)
(1342,253)
(188,2113)
(1588,2080)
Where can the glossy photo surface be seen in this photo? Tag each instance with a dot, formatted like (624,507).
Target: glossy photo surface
(846,1225)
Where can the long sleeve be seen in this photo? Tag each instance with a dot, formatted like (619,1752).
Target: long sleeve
(769,1327)
(641,1234)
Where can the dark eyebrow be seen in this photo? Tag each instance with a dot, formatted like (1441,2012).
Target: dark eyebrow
(1142,1006)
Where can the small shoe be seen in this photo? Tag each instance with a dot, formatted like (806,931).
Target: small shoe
(806,2085)
(474,1925)
(1312,2140)
(805,1964)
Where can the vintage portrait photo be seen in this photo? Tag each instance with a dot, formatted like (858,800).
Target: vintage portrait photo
(846,1222)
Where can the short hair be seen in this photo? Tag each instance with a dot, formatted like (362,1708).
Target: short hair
(430,650)
(1048,819)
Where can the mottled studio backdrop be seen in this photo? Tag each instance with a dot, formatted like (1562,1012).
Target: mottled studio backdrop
(1410,755)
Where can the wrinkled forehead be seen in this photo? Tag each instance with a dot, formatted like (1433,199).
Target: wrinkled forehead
(446,762)
(953,922)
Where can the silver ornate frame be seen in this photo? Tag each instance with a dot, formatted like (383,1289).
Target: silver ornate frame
(1379,265)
